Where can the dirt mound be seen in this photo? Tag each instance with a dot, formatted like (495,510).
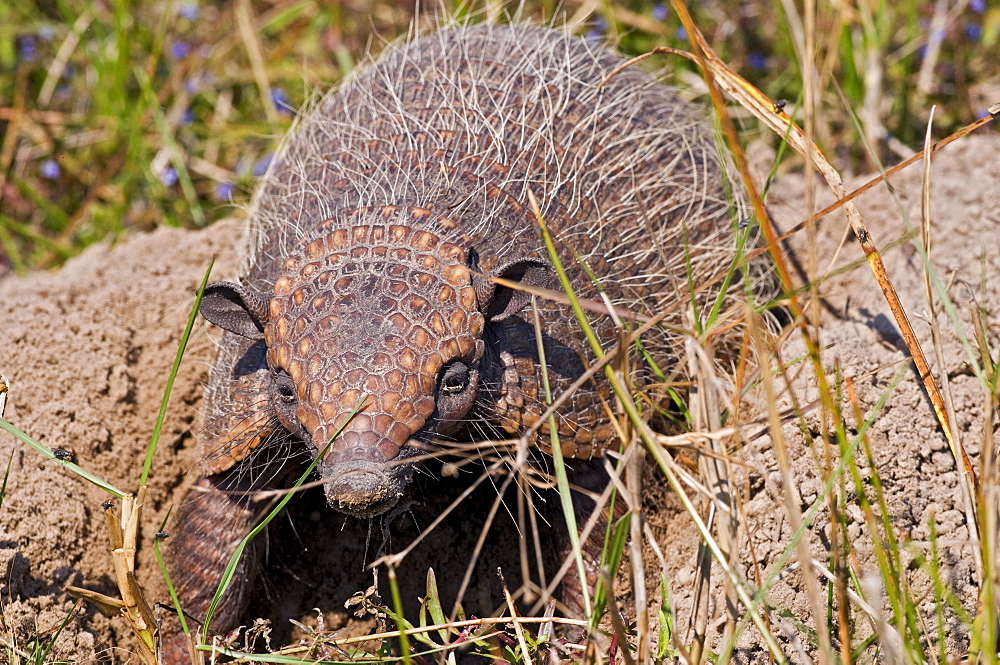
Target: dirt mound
(87,351)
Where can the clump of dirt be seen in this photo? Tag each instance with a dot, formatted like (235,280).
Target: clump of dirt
(88,350)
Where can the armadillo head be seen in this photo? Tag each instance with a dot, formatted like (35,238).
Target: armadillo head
(383,317)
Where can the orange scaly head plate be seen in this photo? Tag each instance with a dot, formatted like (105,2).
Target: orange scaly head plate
(374,308)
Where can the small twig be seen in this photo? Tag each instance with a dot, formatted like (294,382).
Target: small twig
(251,40)
(4,391)
(63,55)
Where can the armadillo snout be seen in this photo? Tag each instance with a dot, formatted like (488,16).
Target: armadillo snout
(361,469)
(362,488)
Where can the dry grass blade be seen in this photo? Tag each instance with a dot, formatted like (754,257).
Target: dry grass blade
(518,630)
(107,604)
(123,531)
(932,309)
(255,51)
(775,118)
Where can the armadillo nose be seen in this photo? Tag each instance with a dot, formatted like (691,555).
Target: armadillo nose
(361,441)
(361,489)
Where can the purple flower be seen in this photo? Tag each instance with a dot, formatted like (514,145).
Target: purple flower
(978,6)
(758,60)
(973,31)
(169,176)
(179,50)
(600,28)
(260,166)
(187,117)
(46,33)
(659,12)
(26,50)
(280,100)
(49,169)
(681,34)
(224,191)
(188,10)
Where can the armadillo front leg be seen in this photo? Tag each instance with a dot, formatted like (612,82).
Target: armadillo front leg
(590,478)
(211,522)
(218,511)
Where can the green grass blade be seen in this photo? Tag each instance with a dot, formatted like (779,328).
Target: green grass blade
(562,480)
(401,624)
(47,452)
(433,602)
(6,475)
(40,659)
(666,635)
(166,575)
(192,316)
(614,551)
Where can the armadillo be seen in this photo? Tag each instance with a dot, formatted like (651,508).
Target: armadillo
(373,245)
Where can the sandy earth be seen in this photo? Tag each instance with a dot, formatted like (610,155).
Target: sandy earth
(88,349)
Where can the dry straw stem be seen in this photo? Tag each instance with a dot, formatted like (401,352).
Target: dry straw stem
(772,116)
(123,531)
(705,407)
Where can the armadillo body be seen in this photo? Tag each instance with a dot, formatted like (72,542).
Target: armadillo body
(374,237)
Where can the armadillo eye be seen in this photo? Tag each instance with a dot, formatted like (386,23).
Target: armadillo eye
(284,387)
(454,377)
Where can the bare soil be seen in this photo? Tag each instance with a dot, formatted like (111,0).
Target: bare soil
(88,349)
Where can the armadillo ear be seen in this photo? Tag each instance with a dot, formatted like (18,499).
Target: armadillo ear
(235,308)
(499,302)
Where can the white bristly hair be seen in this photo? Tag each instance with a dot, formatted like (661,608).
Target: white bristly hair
(635,168)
